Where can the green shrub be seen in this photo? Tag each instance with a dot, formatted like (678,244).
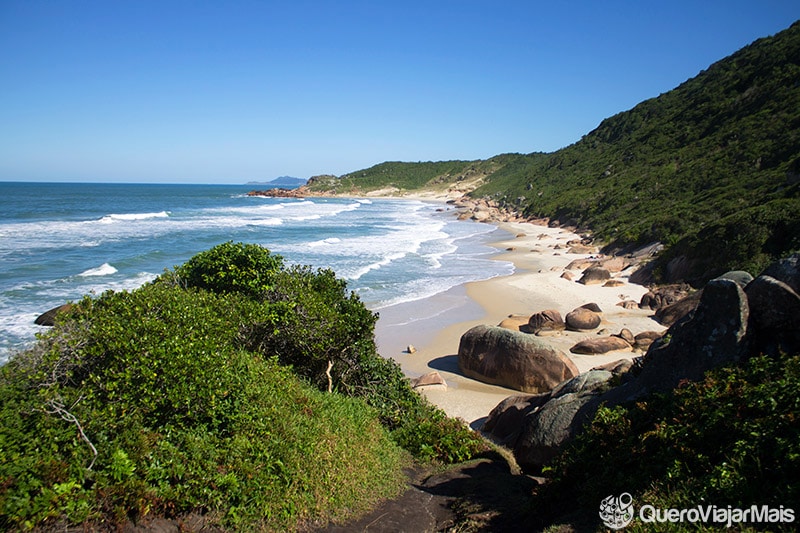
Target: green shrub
(231,267)
(732,439)
(326,334)
(175,398)
(182,420)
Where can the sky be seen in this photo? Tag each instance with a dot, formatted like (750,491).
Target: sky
(236,91)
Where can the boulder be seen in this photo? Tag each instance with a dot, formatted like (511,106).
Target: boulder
(643,340)
(582,319)
(411,349)
(774,315)
(546,322)
(567,276)
(741,277)
(547,427)
(48,318)
(429,379)
(618,367)
(512,359)
(663,296)
(580,264)
(672,313)
(615,264)
(627,335)
(515,323)
(595,275)
(628,304)
(614,283)
(715,334)
(600,345)
(786,270)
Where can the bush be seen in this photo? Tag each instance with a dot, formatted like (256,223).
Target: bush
(326,334)
(174,398)
(242,268)
(181,420)
(733,439)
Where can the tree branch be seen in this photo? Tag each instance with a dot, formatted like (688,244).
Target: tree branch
(57,408)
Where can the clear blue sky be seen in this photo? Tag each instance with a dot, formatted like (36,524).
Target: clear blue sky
(233,91)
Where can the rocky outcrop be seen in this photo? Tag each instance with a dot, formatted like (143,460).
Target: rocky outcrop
(537,427)
(728,324)
(664,296)
(512,359)
(300,192)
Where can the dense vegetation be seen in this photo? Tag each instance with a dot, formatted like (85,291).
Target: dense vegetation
(732,439)
(714,162)
(202,392)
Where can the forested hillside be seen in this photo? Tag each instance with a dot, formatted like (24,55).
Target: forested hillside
(710,168)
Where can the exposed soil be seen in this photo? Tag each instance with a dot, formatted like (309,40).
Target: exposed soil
(480,495)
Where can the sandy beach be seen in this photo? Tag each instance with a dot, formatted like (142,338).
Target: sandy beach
(540,256)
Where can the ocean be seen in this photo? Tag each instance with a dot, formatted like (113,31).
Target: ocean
(61,241)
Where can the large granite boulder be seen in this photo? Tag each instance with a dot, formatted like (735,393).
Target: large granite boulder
(545,322)
(512,359)
(786,270)
(582,319)
(715,334)
(673,312)
(537,427)
(600,345)
(774,315)
(594,275)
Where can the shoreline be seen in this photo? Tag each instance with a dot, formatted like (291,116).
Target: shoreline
(540,256)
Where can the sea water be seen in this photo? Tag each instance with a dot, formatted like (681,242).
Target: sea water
(61,241)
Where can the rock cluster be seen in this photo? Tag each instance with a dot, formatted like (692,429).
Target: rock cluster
(300,192)
(732,320)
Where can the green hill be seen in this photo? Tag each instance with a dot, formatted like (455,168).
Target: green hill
(710,168)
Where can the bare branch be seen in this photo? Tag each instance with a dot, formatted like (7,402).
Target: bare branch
(57,408)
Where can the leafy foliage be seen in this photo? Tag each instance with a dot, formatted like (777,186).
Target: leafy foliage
(231,267)
(176,398)
(733,439)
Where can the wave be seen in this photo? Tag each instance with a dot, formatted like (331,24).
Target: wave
(127,217)
(374,266)
(324,242)
(103,270)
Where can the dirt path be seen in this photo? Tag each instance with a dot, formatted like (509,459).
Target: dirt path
(480,495)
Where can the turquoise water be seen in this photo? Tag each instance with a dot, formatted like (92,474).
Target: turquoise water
(60,241)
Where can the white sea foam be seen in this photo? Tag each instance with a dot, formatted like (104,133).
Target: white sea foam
(103,270)
(359,272)
(324,242)
(127,217)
